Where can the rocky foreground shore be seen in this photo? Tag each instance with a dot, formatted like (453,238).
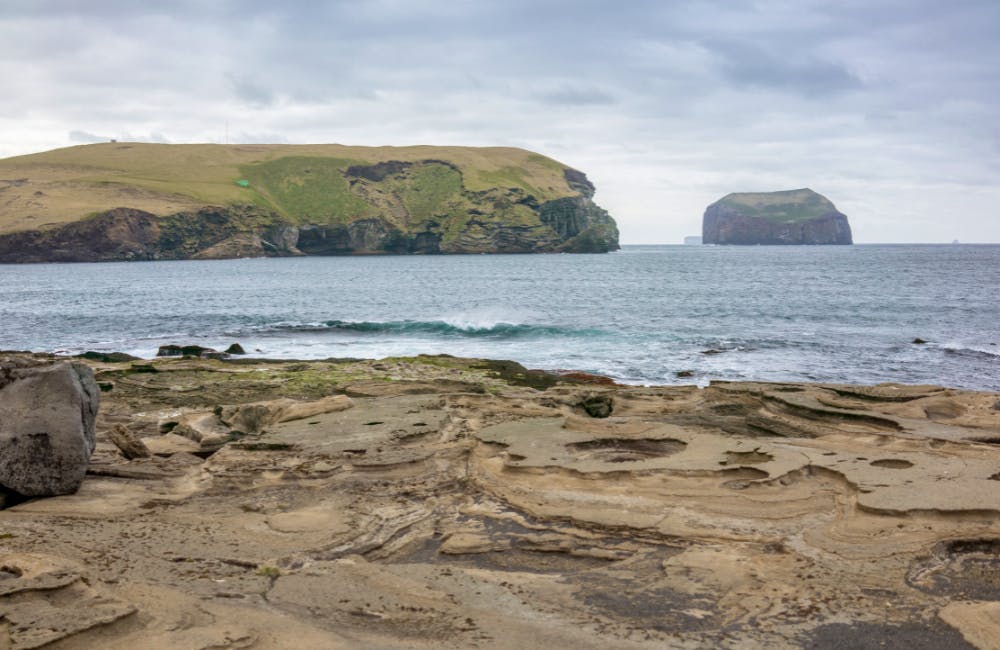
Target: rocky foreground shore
(442,502)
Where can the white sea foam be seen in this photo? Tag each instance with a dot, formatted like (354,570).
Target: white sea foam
(486,318)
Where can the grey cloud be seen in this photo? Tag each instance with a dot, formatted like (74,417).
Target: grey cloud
(803,72)
(158,138)
(251,92)
(576,96)
(85,137)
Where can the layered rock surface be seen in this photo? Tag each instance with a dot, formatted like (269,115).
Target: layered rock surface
(459,503)
(309,200)
(788,217)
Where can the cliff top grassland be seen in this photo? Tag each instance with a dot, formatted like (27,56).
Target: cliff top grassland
(790,206)
(302,183)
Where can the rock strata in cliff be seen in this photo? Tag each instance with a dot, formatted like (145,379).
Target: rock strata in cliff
(788,217)
(284,201)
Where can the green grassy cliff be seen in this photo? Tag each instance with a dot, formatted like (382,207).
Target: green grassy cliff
(789,206)
(155,201)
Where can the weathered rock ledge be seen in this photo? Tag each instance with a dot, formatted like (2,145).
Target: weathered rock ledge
(443,502)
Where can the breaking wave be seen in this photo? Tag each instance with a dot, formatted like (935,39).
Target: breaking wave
(993,351)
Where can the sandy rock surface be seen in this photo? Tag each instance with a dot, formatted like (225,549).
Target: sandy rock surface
(454,503)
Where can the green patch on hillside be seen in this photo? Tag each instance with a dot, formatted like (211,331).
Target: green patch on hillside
(790,206)
(428,190)
(510,177)
(307,189)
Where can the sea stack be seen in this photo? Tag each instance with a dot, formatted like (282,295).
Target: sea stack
(787,217)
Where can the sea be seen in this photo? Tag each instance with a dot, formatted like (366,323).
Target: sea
(643,315)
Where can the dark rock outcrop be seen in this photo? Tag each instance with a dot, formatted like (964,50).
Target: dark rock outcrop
(172,350)
(788,217)
(47,414)
(582,226)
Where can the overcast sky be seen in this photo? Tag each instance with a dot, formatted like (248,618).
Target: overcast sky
(890,108)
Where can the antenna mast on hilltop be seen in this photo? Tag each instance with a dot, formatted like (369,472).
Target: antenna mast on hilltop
(227,131)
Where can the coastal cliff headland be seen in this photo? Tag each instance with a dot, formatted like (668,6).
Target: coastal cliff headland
(768,218)
(134,201)
(435,501)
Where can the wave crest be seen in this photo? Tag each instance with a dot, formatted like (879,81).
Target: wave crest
(972,350)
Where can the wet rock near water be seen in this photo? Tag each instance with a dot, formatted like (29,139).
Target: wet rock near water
(172,350)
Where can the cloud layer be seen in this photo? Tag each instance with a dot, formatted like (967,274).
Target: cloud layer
(889,108)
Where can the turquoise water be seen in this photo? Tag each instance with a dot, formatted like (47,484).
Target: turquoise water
(829,313)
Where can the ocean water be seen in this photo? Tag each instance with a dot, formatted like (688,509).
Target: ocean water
(826,313)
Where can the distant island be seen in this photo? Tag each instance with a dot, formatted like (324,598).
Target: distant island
(788,217)
(138,201)
(692,240)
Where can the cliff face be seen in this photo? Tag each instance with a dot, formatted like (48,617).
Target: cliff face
(326,205)
(789,217)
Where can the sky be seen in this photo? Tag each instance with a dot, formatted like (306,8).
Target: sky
(889,108)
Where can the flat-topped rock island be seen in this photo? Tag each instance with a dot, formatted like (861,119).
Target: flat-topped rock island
(787,217)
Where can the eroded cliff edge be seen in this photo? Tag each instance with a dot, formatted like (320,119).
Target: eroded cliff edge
(116,202)
(787,217)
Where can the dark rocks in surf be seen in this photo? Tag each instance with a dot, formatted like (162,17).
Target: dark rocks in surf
(190,351)
(107,357)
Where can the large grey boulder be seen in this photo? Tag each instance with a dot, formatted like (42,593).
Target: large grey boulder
(47,413)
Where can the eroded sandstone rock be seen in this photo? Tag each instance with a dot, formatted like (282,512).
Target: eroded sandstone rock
(737,515)
(252,418)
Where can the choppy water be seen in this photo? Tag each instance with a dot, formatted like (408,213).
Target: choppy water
(846,314)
